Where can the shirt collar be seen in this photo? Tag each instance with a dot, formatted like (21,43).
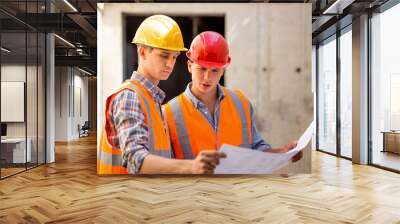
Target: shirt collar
(156,93)
(196,102)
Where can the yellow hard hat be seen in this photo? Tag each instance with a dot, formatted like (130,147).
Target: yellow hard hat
(160,31)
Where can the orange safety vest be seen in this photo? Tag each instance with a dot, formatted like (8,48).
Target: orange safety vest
(191,132)
(109,157)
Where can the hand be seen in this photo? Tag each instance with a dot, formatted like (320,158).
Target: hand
(206,161)
(291,146)
(298,156)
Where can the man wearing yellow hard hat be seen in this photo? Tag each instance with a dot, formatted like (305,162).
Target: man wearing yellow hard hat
(135,138)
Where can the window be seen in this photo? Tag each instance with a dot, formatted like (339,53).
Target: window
(346,93)
(327,95)
(385,88)
(22,65)
(333,137)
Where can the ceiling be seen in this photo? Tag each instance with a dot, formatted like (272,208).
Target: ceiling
(75,21)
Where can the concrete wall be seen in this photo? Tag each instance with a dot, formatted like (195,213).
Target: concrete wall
(270,46)
(71,102)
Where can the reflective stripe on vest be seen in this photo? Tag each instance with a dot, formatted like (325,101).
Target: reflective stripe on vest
(181,132)
(109,157)
(243,109)
(191,132)
(109,160)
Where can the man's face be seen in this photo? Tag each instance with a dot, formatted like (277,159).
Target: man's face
(204,80)
(159,63)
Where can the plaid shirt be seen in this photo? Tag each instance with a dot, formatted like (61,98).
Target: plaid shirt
(127,129)
(257,143)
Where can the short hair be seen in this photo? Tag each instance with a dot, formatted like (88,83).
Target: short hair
(144,46)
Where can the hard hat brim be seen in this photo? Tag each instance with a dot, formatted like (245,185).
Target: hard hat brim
(209,64)
(164,48)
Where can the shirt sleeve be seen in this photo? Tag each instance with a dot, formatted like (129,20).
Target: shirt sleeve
(129,121)
(258,143)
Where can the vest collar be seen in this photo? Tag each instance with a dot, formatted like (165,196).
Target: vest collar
(156,93)
(196,102)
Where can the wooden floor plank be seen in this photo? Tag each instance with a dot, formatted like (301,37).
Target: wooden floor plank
(69,191)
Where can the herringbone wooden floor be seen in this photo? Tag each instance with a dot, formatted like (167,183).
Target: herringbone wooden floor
(69,191)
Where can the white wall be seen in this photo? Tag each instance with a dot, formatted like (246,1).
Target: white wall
(61,103)
(270,47)
(12,73)
(67,114)
(33,127)
(80,83)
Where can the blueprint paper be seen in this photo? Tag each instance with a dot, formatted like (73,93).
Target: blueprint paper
(247,161)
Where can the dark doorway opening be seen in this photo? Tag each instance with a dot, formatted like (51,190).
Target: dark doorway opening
(190,27)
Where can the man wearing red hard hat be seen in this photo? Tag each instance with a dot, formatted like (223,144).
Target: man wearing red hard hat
(207,115)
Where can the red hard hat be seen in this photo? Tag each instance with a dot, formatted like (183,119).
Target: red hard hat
(209,49)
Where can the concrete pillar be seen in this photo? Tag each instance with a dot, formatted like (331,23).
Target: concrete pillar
(360,90)
(285,99)
(50,92)
(50,99)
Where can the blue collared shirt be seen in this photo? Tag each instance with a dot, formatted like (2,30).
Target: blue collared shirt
(258,143)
